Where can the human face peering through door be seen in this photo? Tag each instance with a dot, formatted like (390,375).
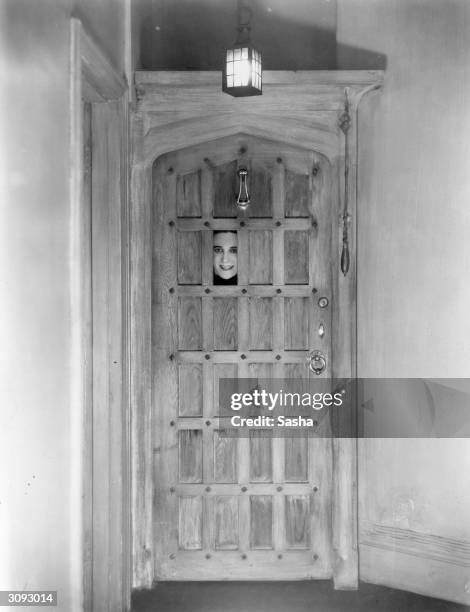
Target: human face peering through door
(225,257)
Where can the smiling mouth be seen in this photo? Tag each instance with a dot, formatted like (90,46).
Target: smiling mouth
(225,268)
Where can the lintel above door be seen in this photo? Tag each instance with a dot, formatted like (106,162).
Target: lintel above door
(299,108)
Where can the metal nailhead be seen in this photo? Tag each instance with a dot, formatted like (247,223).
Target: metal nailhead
(208,423)
(243,556)
(243,290)
(172,556)
(172,289)
(208,489)
(315,557)
(314,224)
(279,556)
(171,223)
(279,489)
(278,223)
(315,423)
(243,356)
(242,224)
(244,489)
(208,556)
(315,489)
(279,160)
(207,224)
(315,171)
(323,302)
(207,356)
(314,290)
(172,357)
(207,290)
(170,170)
(278,357)
(172,423)
(172,489)
(242,150)
(278,290)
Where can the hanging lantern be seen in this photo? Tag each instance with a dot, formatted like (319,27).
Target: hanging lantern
(242,74)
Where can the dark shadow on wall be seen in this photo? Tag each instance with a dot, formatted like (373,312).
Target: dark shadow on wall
(354,58)
(193,35)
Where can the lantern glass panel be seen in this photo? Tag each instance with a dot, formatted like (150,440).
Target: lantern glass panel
(242,72)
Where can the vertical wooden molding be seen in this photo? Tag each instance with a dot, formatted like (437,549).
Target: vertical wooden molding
(346,564)
(126,361)
(106,526)
(140,373)
(78,379)
(345,460)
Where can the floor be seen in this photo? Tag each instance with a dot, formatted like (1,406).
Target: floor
(281,597)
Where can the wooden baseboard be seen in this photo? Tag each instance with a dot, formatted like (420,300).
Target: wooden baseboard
(421,563)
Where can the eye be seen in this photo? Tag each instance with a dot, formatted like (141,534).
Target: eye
(218,249)
(233,249)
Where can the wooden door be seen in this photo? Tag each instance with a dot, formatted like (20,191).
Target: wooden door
(248,508)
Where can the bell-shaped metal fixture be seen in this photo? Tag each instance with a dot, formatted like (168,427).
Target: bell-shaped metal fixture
(243,198)
(242,73)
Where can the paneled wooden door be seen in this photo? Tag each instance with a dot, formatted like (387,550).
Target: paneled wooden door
(239,508)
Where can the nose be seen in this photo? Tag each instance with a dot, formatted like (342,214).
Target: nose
(224,257)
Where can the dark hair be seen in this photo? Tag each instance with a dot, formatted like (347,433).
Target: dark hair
(224,232)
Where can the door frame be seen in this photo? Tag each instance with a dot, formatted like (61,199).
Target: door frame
(99,286)
(176,110)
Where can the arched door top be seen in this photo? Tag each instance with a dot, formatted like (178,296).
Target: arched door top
(290,131)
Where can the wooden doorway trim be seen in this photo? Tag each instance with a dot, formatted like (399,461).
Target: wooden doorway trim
(100,415)
(180,109)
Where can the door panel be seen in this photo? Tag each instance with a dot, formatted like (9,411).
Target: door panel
(260,262)
(238,508)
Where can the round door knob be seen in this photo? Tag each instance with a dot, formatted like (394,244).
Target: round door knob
(316,362)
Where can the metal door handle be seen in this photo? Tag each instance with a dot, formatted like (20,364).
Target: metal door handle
(316,362)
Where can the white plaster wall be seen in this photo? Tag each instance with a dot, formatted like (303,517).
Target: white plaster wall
(414,251)
(414,247)
(38,522)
